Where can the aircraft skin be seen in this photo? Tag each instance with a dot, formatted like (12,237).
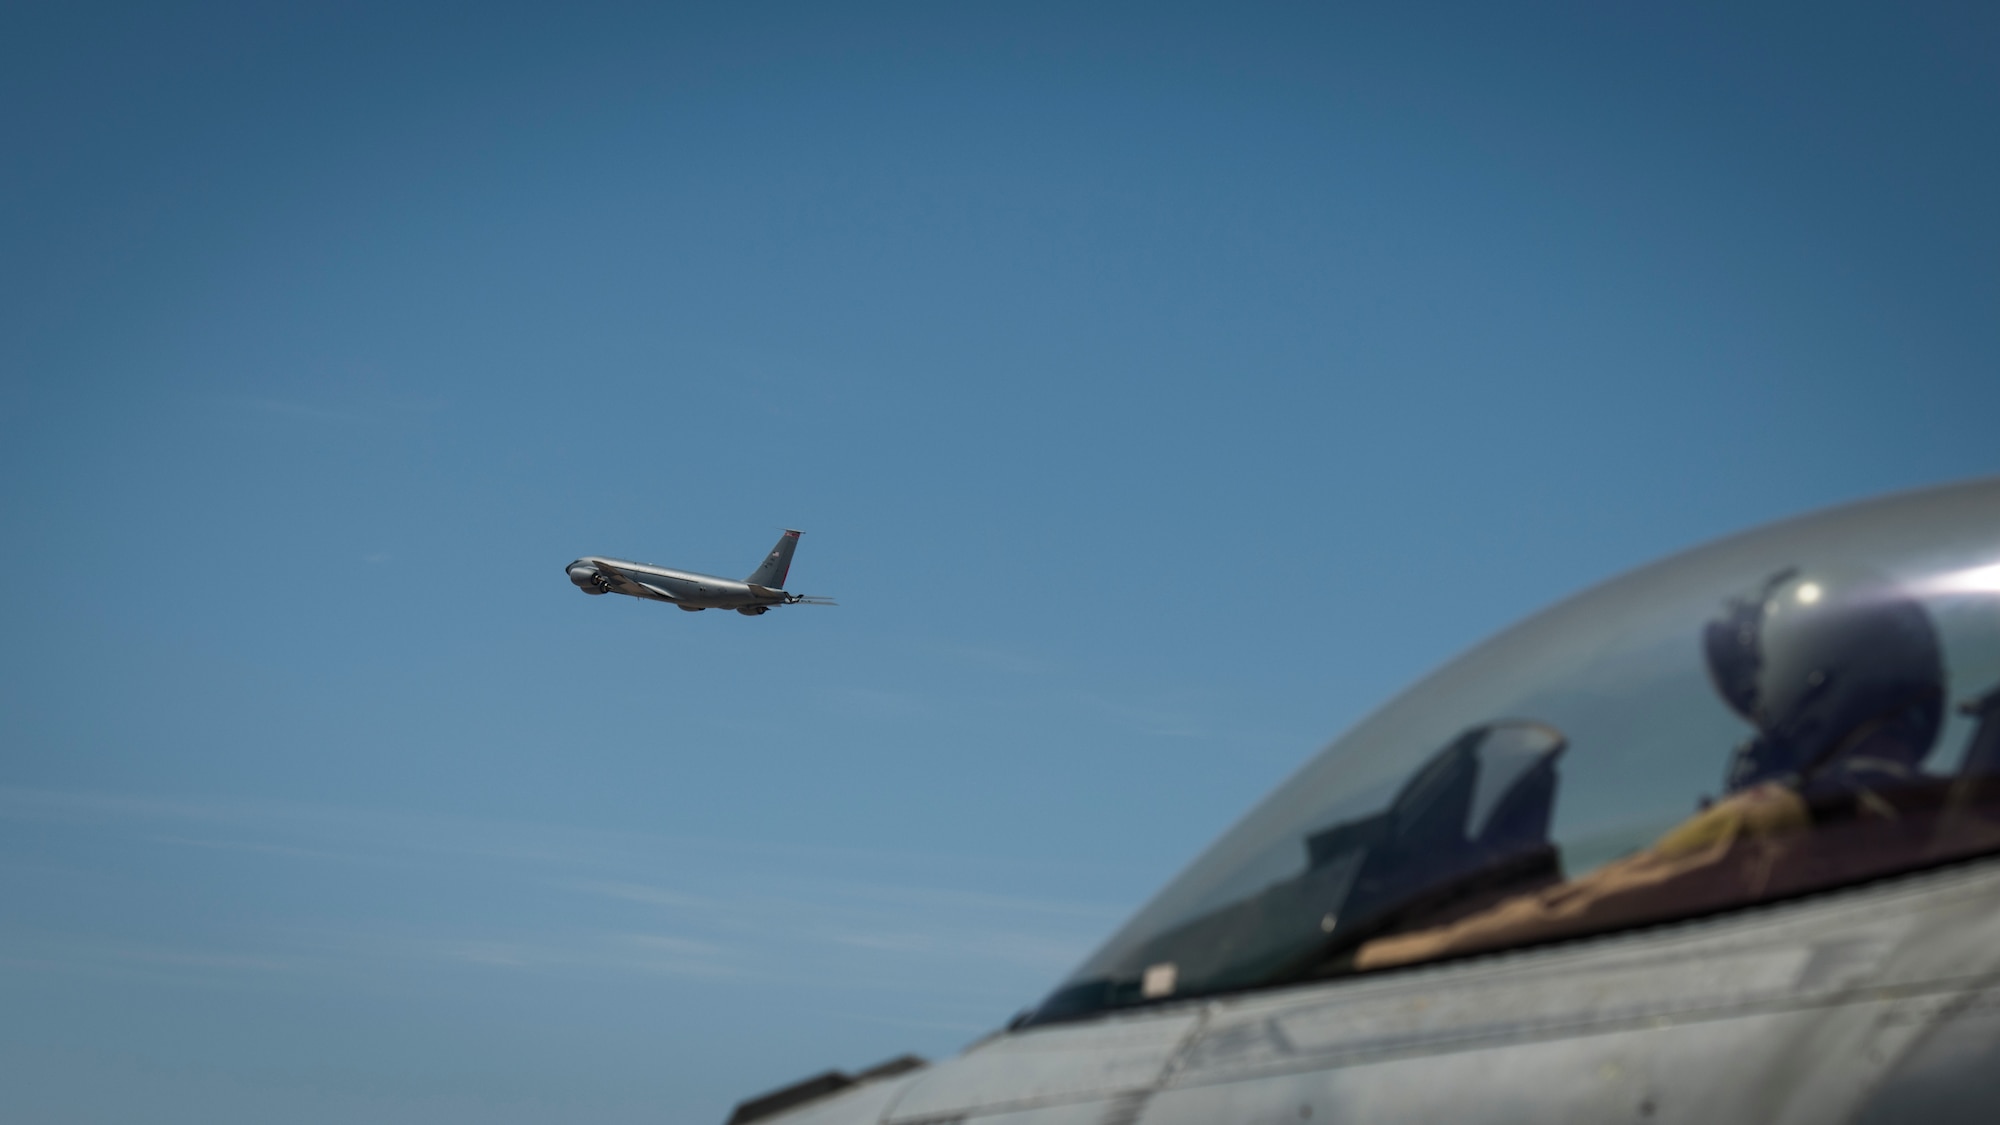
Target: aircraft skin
(1869,1002)
(692,591)
(1872,1007)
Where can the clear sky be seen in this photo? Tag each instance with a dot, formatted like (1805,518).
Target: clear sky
(1159,388)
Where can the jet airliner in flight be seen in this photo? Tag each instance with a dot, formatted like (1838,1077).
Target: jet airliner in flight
(695,592)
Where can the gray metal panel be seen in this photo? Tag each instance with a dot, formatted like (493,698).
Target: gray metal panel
(1800,1067)
(859,1105)
(1685,1074)
(1878,1002)
(1117,1111)
(1050,1066)
(1556,995)
(1874,1001)
(1952,1075)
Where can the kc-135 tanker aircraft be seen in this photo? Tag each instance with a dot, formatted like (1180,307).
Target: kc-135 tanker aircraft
(695,592)
(1717,841)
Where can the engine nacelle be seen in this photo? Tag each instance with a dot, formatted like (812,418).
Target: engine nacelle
(587,578)
(753,610)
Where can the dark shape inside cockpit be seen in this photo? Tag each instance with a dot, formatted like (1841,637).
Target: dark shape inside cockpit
(1469,828)
(1841,675)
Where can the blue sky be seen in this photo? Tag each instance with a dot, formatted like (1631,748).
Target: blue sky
(1159,388)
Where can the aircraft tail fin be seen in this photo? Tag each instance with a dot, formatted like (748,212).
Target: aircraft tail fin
(777,564)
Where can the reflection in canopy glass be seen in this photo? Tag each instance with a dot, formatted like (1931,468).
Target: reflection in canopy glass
(1802,707)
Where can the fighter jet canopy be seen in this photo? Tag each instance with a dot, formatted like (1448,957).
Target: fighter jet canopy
(1795,709)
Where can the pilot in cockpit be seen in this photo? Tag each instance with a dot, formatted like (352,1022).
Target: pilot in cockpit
(1842,678)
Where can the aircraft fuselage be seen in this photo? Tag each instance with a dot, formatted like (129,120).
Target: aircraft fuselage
(692,590)
(685,588)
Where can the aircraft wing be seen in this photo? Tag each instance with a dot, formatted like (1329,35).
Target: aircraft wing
(626,584)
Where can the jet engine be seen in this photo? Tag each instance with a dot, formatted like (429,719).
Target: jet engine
(588,579)
(753,610)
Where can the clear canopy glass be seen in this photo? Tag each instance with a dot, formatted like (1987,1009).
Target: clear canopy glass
(1803,706)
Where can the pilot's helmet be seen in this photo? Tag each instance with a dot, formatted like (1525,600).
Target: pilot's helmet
(1822,661)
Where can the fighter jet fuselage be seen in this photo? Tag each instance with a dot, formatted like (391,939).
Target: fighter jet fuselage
(693,591)
(1714,843)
